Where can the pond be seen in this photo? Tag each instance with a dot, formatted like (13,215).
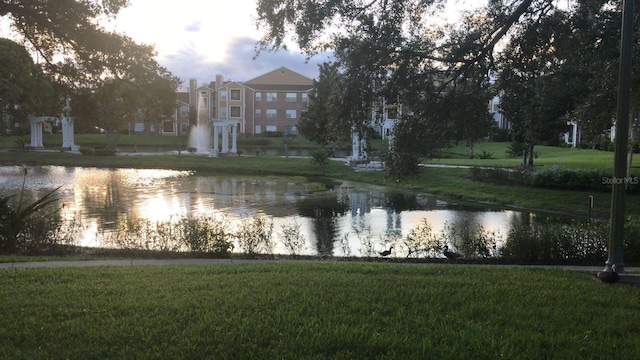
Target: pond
(341,218)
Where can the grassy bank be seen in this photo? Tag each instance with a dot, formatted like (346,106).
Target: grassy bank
(301,311)
(547,156)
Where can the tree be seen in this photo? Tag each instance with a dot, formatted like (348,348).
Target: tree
(68,41)
(17,73)
(387,49)
(75,51)
(318,123)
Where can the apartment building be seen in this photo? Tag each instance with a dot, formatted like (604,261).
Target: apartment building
(276,101)
(269,103)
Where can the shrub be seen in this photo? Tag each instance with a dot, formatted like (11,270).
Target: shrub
(86,150)
(421,241)
(400,165)
(202,235)
(319,156)
(292,239)
(578,241)
(206,234)
(104,151)
(486,155)
(254,235)
(20,142)
(606,144)
(469,239)
(19,224)
(515,149)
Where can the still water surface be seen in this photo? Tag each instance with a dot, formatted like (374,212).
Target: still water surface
(341,219)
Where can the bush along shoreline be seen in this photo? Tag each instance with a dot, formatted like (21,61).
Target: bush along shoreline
(578,242)
(556,177)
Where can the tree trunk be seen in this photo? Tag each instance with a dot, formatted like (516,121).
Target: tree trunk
(531,155)
(470,143)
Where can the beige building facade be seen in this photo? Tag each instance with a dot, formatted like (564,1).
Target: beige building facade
(270,103)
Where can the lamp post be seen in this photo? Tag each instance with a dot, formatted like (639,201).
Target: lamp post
(616,235)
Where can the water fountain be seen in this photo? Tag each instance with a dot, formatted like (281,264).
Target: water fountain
(200,134)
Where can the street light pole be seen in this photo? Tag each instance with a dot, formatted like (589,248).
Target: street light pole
(616,235)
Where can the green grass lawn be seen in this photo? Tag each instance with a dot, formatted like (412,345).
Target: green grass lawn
(548,156)
(315,311)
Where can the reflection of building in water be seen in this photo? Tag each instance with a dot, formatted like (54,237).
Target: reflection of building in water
(359,203)
(394,220)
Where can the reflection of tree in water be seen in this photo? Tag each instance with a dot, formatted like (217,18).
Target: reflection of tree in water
(324,212)
(107,201)
(399,202)
(468,237)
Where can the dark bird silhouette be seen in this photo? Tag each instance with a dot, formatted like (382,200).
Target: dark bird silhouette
(386,252)
(451,255)
(608,276)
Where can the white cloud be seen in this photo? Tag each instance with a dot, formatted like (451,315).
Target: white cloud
(238,62)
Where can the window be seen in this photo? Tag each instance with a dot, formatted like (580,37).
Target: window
(272,128)
(235,94)
(184,127)
(223,95)
(184,111)
(258,113)
(290,114)
(291,130)
(292,97)
(305,97)
(167,127)
(392,114)
(258,96)
(223,113)
(235,111)
(272,114)
(271,96)
(258,129)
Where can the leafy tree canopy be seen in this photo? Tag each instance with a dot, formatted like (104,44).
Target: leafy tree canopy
(70,43)
(74,50)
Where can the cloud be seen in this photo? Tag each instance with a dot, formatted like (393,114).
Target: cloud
(239,62)
(195,26)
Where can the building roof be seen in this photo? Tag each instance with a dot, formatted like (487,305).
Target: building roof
(183,97)
(292,88)
(281,76)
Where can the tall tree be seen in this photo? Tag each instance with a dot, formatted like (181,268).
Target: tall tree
(388,49)
(17,84)
(73,49)
(320,123)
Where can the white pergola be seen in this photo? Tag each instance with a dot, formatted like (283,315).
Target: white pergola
(226,128)
(37,125)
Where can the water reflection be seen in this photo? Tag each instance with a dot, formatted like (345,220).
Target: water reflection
(337,220)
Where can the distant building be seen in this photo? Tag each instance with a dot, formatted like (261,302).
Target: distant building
(269,103)
(496,113)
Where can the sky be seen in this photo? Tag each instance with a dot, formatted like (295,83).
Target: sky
(201,38)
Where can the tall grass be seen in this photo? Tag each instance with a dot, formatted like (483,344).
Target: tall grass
(315,311)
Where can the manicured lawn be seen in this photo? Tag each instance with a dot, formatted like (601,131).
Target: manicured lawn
(548,156)
(315,310)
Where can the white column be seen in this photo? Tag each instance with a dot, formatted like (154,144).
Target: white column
(36,132)
(234,138)
(67,134)
(358,148)
(225,138)
(215,137)
(575,134)
(355,146)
